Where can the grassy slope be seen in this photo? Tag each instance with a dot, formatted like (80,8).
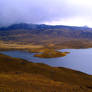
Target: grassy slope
(56,38)
(22,76)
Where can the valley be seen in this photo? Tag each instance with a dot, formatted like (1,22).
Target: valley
(44,42)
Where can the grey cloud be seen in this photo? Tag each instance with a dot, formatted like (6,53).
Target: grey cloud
(39,11)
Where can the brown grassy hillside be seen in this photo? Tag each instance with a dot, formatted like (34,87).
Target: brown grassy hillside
(17,75)
(27,36)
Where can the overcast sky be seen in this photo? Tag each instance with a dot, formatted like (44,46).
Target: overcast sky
(53,12)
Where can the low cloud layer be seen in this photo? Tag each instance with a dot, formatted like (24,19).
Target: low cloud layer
(67,12)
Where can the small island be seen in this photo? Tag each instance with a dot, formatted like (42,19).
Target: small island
(51,54)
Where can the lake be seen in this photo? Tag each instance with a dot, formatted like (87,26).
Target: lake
(77,59)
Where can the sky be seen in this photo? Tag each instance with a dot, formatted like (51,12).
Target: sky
(52,12)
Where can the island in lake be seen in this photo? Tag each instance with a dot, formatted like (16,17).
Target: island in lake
(51,54)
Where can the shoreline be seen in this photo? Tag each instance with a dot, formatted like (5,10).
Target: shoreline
(39,76)
(26,61)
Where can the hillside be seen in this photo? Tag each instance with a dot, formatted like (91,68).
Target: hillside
(33,30)
(48,36)
(22,76)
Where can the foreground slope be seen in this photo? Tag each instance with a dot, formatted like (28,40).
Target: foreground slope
(22,76)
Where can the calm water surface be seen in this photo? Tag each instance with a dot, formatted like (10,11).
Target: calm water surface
(77,59)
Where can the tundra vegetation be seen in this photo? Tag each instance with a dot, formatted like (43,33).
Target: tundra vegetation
(18,75)
(50,53)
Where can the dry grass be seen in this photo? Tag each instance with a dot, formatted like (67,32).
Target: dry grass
(50,53)
(17,75)
(17,46)
(34,83)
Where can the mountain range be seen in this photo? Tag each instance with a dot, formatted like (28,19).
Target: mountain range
(47,34)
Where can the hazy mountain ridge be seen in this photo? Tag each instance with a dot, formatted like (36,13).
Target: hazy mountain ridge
(60,30)
(40,26)
(46,34)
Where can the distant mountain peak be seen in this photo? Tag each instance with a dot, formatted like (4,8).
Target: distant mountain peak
(40,26)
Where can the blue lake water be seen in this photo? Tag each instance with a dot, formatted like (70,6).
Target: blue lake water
(77,59)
